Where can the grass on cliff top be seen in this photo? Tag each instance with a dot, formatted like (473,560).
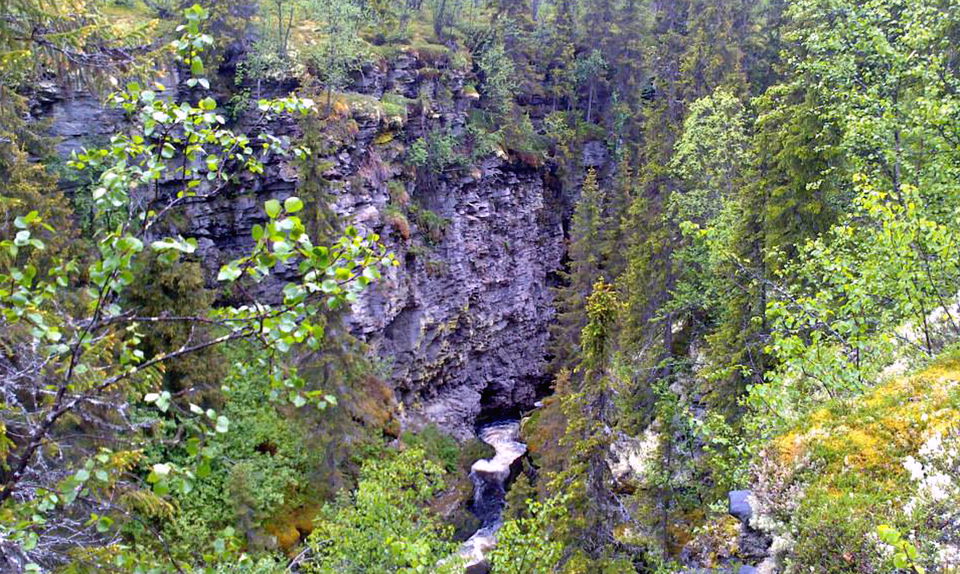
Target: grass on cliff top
(849,459)
(390,112)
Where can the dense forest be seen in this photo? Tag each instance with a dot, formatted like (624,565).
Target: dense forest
(508,286)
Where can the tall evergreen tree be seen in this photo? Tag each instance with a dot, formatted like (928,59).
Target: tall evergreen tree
(584,267)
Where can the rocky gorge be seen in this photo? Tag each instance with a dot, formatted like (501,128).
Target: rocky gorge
(460,327)
(368,286)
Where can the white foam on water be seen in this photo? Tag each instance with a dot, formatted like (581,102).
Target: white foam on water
(504,438)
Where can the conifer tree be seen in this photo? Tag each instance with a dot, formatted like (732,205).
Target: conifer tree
(589,412)
(584,268)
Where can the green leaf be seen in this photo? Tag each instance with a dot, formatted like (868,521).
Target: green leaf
(104,523)
(179,244)
(911,551)
(203,469)
(228,273)
(24,221)
(223,424)
(272,207)
(163,402)
(160,470)
(888,534)
(161,487)
(293,204)
(208,104)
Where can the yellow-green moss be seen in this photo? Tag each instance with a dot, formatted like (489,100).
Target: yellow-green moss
(384,138)
(848,459)
(128,18)
(871,435)
(292,525)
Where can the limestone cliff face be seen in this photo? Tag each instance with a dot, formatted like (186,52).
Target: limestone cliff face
(461,326)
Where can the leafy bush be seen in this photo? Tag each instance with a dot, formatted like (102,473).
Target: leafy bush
(250,476)
(436,151)
(437,446)
(887,456)
(525,545)
(430,223)
(382,526)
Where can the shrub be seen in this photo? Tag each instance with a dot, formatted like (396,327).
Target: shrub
(383,526)
(437,446)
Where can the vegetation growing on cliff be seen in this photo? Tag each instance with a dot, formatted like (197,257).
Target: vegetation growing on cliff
(759,292)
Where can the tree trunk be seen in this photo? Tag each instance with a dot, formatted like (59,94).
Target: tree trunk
(590,101)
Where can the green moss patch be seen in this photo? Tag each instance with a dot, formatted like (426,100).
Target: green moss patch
(845,468)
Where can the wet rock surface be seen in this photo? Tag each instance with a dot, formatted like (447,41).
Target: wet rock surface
(753,544)
(739,505)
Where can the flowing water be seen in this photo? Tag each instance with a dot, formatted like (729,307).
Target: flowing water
(489,476)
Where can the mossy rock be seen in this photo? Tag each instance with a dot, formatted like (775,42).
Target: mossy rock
(429,73)
(384,138)
(472,451)
(291,526)
(839,473)
(431,54)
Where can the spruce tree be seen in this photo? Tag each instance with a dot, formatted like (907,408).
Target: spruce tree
(583,268)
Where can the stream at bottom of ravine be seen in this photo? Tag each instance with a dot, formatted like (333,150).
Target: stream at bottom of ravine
(490,476)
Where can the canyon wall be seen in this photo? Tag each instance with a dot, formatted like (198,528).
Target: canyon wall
(460,327)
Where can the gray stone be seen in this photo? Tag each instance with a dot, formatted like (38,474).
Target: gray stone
(477,568)
(595,154)
(740,506)
(753,544)
(465,322)
(461,325)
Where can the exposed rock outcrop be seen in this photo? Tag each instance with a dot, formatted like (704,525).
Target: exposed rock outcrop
(461,326)
(466,323)
(739,505)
